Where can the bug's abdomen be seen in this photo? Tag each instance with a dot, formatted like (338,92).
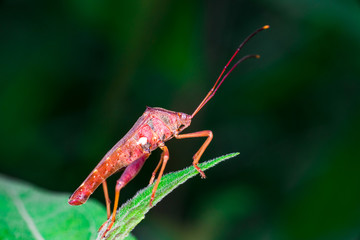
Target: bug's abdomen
(121,155)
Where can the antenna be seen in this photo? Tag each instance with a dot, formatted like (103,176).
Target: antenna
(216,86)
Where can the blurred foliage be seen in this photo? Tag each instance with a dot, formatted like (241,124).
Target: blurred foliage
(28,212)
(75,75)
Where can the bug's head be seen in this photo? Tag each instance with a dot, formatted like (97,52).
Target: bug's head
(183,121)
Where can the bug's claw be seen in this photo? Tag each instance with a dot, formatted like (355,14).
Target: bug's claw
(112,221)
(202,174)
(152,199)
(108,228)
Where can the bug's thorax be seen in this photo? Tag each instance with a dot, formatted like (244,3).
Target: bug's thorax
(174,121)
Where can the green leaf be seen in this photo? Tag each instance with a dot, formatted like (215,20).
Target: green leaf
(27,212)
(134,210)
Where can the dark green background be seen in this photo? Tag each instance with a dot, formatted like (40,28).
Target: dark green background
(75,75)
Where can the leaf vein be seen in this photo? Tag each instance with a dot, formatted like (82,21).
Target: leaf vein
(25,215)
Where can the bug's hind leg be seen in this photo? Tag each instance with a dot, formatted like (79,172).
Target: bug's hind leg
(129,173)
(107,199)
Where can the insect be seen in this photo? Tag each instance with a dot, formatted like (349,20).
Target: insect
(151,131)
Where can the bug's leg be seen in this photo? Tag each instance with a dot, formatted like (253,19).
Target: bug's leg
(107,199)
(163,160)
(155,171)
(198,154)
(129,173)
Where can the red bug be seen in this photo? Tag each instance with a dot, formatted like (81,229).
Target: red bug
(151,131)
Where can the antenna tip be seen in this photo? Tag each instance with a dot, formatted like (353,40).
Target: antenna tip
(257,56)
(266,27)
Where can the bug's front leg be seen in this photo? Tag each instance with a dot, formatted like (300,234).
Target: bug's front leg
(199,153)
